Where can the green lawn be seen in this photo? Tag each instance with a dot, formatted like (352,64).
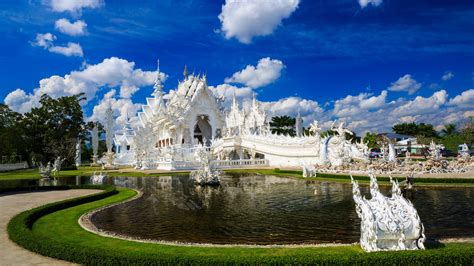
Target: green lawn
(362,179)
(59,235)
(87,170)
(34,173)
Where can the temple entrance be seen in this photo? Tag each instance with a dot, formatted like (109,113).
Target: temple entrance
(203,130)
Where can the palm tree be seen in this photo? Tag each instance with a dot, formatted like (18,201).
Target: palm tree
(283,125)
(449,129)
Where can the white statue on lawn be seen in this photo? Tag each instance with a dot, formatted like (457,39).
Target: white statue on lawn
(109,131)
(435,151)
(95,144)
(78,153)
(392,156)
(387,223)
(57,166)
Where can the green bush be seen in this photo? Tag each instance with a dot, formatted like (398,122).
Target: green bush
(70,242)
(69,167)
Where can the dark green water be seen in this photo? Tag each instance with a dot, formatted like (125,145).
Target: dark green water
(268,210)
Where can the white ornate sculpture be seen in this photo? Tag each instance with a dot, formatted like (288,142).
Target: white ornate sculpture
(309,171)
(435,151)
(45,171)
(57,166)
(387,223)
(95,144)
(206,175)
(392,157)
(339,149)
(98,178)
(464,150)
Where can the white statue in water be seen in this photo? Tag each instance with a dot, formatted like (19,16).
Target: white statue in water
(309,171)
(387,223)
(45,171)
(207,174)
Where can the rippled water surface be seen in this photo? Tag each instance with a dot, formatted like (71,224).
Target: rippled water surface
(268,210)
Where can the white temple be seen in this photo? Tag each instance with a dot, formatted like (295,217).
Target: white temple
(171,126)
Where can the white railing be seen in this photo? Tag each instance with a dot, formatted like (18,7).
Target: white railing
(13,166)
(239,163)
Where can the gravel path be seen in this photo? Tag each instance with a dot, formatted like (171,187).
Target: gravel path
(11,205)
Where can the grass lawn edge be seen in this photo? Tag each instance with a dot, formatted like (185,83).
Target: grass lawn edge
(53,230)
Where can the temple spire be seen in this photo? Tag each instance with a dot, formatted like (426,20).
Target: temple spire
(185,72)
(234,101)
(158,87)
(299,125)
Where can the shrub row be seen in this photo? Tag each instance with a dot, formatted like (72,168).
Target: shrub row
(93,249)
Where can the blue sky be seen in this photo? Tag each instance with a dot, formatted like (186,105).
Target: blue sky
(382,54)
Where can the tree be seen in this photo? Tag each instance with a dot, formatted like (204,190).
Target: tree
(467,131)
(371,140)
(52,129)
(283,125)
(11,135)
(448,130)
(413,129)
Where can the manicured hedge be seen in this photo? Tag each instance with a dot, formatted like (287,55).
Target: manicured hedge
(58,235)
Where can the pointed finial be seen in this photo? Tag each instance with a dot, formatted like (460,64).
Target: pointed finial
(158,87)
(185,72)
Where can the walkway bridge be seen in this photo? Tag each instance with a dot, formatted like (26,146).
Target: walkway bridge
(278,150)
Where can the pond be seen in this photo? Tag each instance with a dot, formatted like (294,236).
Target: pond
(257,209)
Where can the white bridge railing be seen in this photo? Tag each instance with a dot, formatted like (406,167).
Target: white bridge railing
(239,163)
(220,164)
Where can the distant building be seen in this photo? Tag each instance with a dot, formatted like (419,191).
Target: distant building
(404,143)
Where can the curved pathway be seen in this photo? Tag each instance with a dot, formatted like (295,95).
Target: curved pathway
(11,205)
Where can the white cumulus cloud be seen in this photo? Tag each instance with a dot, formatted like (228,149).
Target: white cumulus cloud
(365,3)
(228,91)
(267,71)
(124,109)
(65,26)
(422,105)
(465,99)
(245,19)
(405,83)
(73,6)
(71,49)
(447,75)
(111,72)
(46,41)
